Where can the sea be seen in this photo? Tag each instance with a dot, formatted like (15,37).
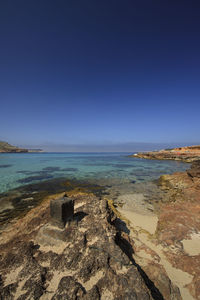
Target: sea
(20,169)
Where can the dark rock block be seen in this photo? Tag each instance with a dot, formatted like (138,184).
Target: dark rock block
(5,166)
(61,211)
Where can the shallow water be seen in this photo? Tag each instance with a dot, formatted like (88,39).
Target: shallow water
(18,169)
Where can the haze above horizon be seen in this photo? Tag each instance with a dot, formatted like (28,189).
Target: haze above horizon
(99,74)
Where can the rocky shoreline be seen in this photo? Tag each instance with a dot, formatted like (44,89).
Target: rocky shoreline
(186,154)
(166,241)
(128,248)
(88,259)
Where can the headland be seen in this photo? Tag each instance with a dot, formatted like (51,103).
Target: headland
(186,154)
(7,148)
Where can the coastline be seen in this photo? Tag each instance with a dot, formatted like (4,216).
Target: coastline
(186,154)
(19,201)
(166,240)
(8,148)
(159,247)
(41,261)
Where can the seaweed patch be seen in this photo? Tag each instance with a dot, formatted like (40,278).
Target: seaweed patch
(33,178)
(122,166)
(69,169)
(5,166)
(51,169)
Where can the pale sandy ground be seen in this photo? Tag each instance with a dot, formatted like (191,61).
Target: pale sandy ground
(192,245)
(139,212)
(142,226)
(146,222)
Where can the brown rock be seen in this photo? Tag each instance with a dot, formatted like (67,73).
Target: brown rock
(186,154)
(194,171)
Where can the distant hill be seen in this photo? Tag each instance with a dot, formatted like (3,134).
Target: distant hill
(7,148)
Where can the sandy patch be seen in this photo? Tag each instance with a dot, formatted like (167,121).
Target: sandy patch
(93,241)
(144,254)
(20,291)
(192,246)
(56,249)
(53,284)
(79,204)
(177,276)
(106,295)
(123,270)
(12,276)
(135,202)
(93,280)
(82,229)
(146,222)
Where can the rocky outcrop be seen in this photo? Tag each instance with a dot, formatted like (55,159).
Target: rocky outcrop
(100,256)
(186,154)
(169,251)
(88,259)
(194,171)
(179,223)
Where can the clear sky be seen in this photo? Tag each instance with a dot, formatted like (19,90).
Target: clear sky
(109,72)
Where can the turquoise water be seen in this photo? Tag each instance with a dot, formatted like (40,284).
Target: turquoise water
(18,169)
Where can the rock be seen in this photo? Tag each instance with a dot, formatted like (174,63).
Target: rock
(61,211)
(85,262)
(179,221)
(186,154)
(69,288)
(194,171)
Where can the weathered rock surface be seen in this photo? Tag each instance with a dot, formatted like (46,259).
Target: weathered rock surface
(194,171)
(170,256)
(186,154)
(99,256)
(89,259)
(179,223)
(19,201)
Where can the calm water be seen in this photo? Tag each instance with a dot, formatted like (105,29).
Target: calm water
(25,168)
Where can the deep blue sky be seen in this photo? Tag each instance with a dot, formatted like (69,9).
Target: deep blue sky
(99,72)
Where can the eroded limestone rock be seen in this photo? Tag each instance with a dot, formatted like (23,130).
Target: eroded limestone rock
(89,265)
